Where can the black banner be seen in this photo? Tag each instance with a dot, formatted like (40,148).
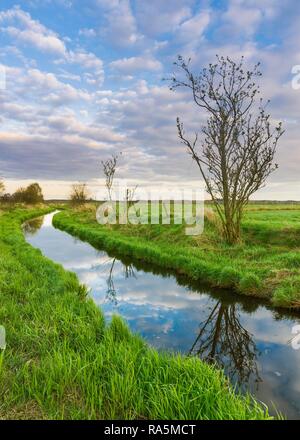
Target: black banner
(143,429)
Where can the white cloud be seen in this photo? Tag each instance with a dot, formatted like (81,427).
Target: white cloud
(86,32)
(87,60)
(121,29)
(135,64)
(71,125)
(34,85)
(30,32)
(69,76)
(245,19)
(193,28)
(89,63)
(246,15)
(51,89)
(160,17)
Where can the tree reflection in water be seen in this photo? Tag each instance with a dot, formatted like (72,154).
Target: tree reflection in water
(129,271)
(33,226)
(111,293)
(222,340)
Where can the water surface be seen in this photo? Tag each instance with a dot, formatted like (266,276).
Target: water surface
(250,340)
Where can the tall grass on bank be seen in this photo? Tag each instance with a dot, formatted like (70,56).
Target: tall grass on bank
(63,361)
(266,264)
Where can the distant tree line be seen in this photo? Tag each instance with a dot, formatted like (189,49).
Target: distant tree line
(30,195)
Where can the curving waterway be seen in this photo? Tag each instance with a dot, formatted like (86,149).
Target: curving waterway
(248,339)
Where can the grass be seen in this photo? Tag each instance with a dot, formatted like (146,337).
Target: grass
(265,264)
(63,361)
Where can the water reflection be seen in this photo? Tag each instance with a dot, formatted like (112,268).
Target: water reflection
(222,340)
(111,293)
(33,226)
(242,335)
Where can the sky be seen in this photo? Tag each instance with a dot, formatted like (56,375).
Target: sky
(80,81)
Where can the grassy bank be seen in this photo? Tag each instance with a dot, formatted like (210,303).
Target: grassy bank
(63,361)
(266,264)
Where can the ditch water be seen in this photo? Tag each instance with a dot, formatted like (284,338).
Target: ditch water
(247,338)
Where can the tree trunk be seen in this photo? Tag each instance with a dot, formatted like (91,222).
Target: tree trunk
(232,229)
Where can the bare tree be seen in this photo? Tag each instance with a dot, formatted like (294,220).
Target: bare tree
(79,193)
(130,199)
(238,143)
(130,196)
(109,169)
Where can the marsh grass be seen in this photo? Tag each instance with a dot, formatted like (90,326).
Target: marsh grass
(63,361)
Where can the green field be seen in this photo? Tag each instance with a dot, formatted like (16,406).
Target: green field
(63,361)
(265,264)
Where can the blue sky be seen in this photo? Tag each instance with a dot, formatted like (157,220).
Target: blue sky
(84,80)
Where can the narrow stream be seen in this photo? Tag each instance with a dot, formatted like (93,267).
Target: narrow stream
(250,340)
